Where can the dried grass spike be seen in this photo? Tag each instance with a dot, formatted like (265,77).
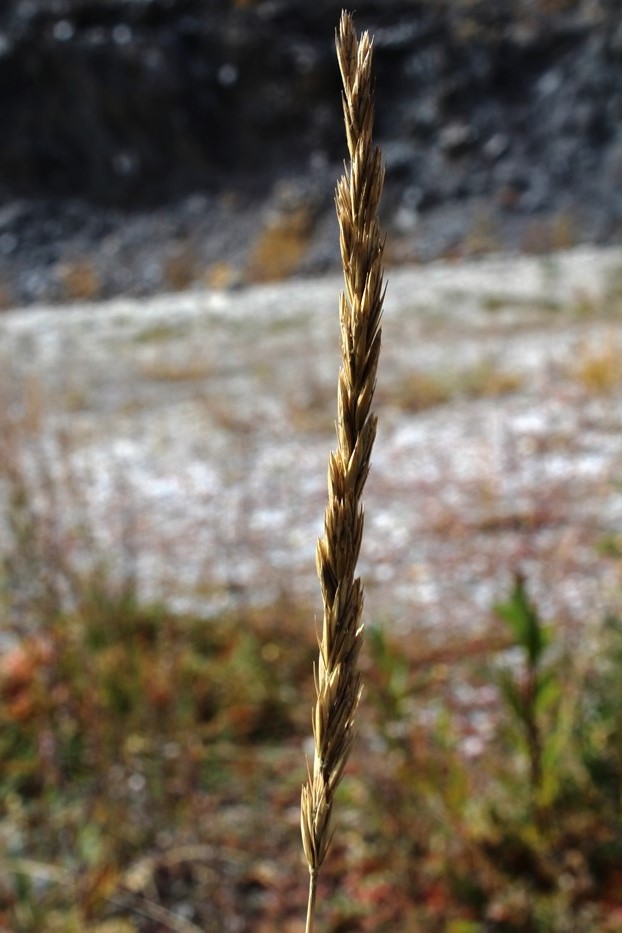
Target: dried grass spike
(337,680)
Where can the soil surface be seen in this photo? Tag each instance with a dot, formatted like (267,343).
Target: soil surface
(190,434)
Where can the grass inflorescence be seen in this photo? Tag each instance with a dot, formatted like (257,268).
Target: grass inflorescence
(337,677)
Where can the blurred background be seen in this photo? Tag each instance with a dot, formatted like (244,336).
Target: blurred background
(148,145)
(163,467)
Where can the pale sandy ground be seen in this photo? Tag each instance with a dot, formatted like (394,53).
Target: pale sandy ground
(199,426)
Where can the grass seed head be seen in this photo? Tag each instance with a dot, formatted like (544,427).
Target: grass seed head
(337,680)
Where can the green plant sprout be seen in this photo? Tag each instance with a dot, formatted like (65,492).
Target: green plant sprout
(531,690)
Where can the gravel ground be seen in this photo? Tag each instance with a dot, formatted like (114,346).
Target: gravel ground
(191,432)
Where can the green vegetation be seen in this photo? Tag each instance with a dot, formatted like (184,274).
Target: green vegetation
(419,390)
(151,770)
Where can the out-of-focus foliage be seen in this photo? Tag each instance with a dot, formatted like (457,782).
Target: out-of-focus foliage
(151,768)
(151,763)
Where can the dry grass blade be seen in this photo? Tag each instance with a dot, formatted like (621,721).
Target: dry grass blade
(337,678)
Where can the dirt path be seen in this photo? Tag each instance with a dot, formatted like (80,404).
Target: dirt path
(199,426)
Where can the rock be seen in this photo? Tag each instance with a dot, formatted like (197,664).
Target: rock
(457,138)
(132,105)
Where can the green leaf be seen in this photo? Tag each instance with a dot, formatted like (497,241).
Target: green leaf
(548,689)
(522,617)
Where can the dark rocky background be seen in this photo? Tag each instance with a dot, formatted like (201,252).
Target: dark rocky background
(150,144)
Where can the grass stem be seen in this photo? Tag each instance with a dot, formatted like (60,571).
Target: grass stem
(311,901)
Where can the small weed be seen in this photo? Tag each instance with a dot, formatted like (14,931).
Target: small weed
(221,275)
(494,303)
(500,302)
(610,545)
(599,367)
(548,236)
(281,247)
(420,391)
(182,268)
(160,333)
(600,721)
(532,689)
(79,280)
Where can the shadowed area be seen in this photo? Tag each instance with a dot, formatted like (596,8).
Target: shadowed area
(157,143)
